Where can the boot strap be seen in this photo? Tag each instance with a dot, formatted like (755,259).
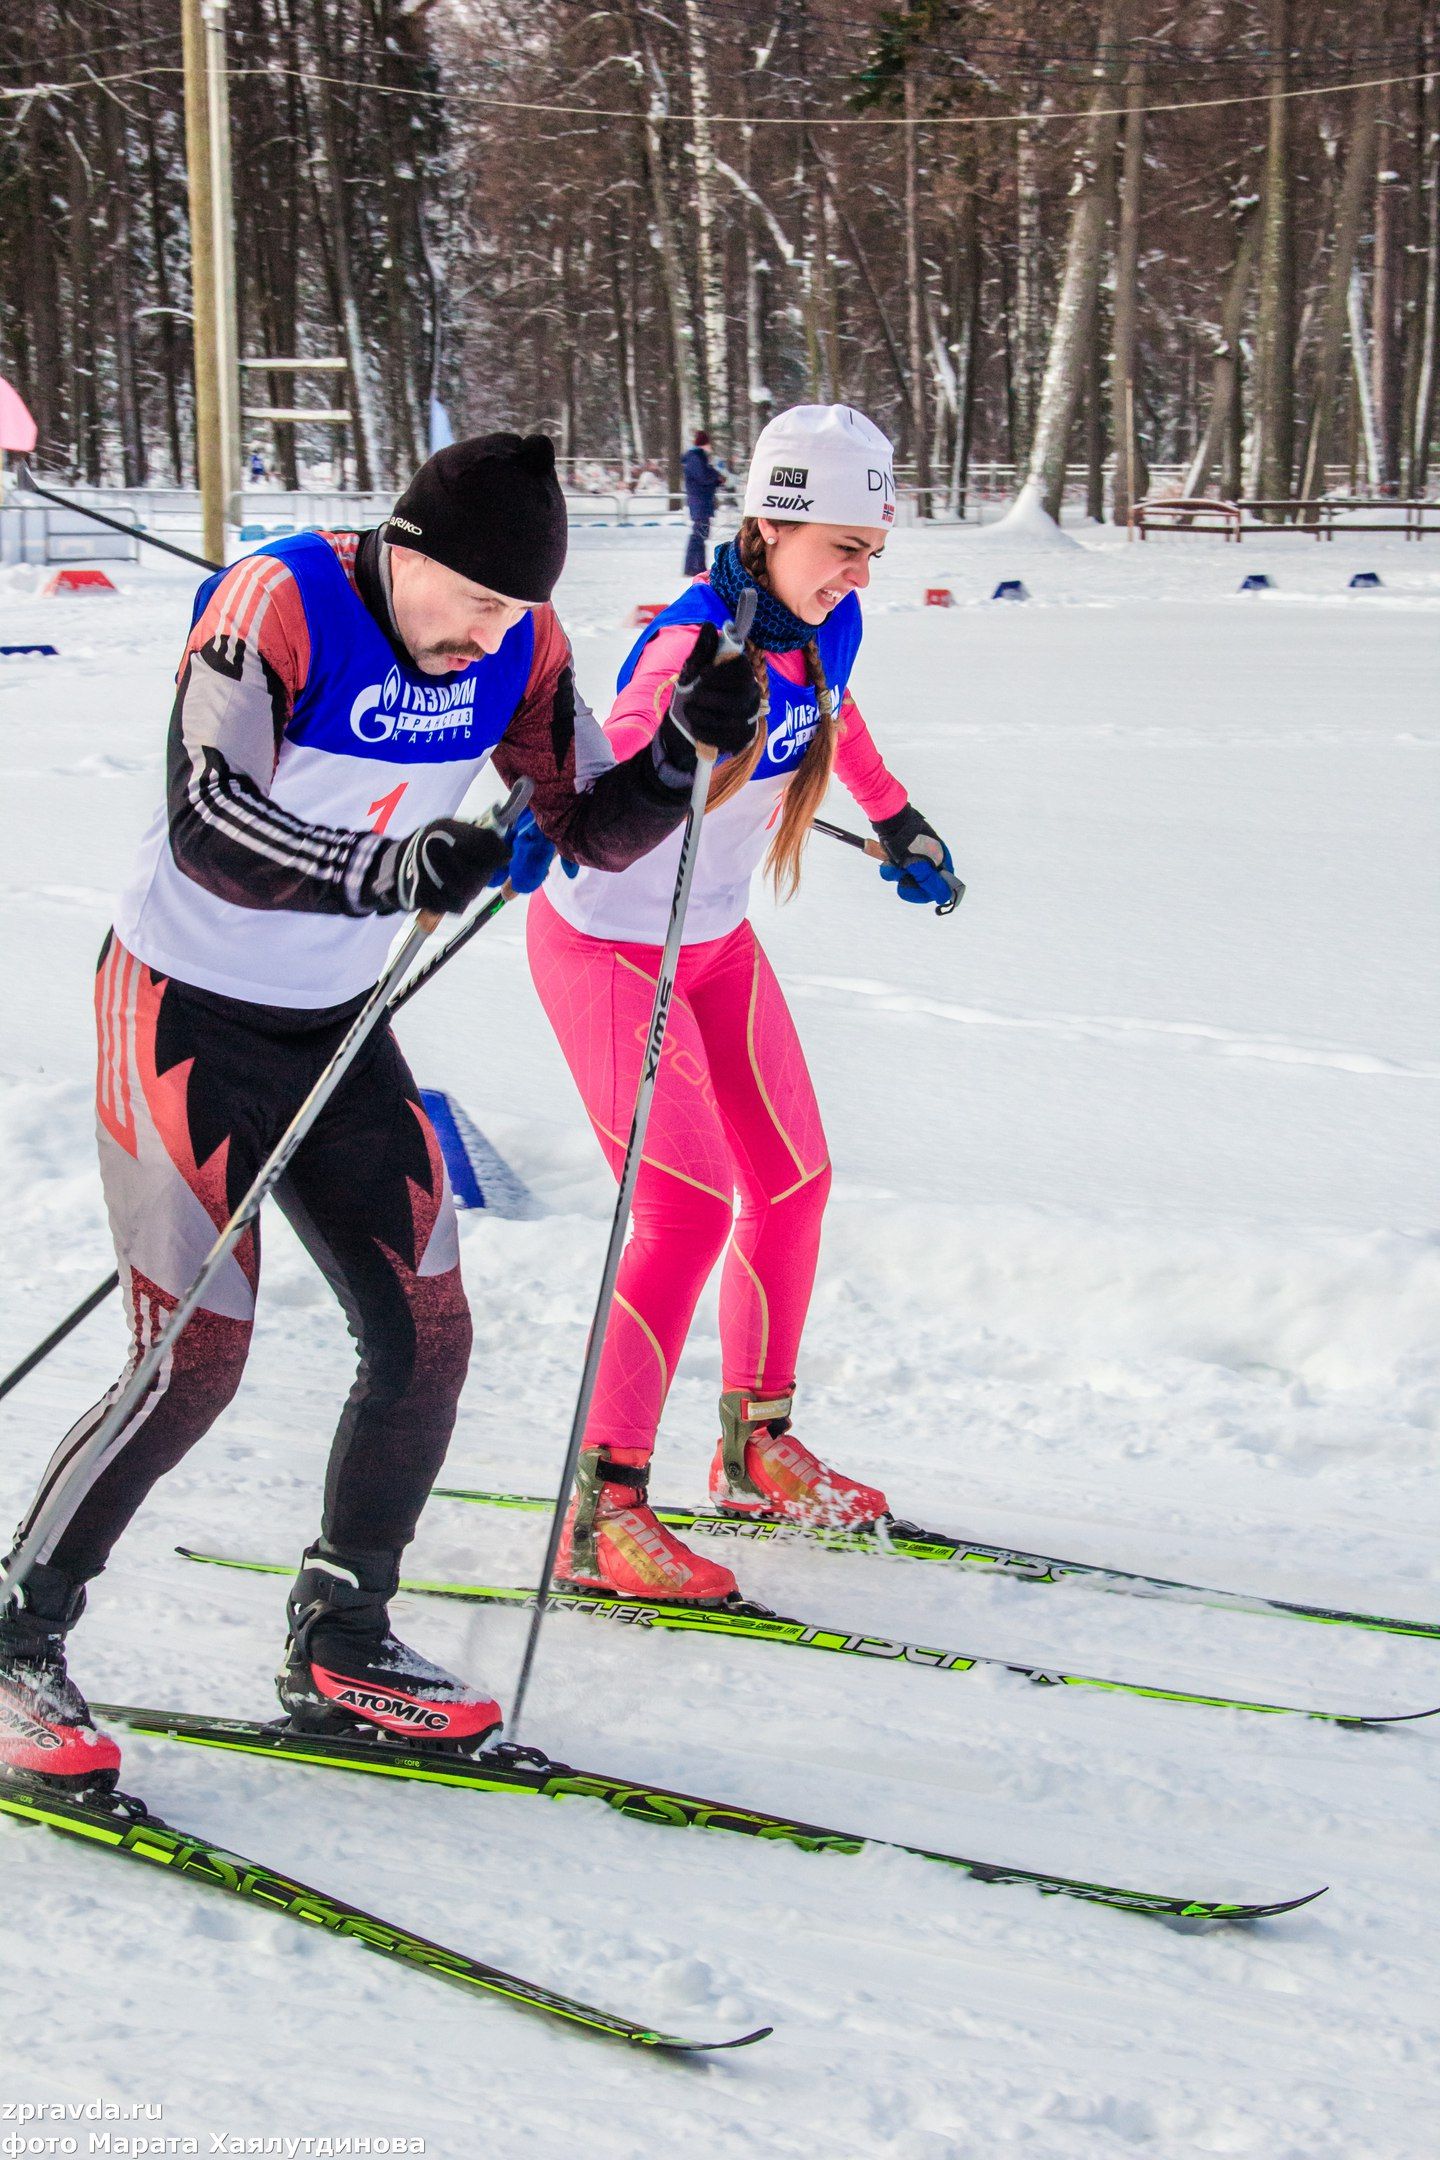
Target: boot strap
(741,1417)
(596,1469)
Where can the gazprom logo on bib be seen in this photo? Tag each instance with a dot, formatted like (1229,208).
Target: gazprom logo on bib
(790,736)
(398,707)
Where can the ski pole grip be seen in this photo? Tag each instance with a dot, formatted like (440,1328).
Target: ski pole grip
(734,634)
(501,816)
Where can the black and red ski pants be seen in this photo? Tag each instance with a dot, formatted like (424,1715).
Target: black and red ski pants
(193,1092)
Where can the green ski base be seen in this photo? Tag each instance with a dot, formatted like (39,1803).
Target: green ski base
(894,1539)
(119,1824)
(504,1769)
(756,1623)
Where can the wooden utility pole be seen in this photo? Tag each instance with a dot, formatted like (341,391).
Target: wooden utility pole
(212,268)
(209,457)
(222,248)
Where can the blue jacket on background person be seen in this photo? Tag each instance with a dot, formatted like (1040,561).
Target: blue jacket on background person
(703,482)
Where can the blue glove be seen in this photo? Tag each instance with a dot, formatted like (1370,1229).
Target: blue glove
(920,867)
(531,855)
(919,880)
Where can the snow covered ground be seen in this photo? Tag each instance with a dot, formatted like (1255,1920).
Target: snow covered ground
(1132,1257)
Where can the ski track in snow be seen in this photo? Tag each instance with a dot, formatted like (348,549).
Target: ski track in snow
(1126,1263)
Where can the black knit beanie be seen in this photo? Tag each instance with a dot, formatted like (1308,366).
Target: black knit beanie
(491,509)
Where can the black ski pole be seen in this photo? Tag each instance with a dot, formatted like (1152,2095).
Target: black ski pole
(851,839)
(134,532)
(879,853)
(732,642)
(102,1291)
(57,1335)
(63,1493)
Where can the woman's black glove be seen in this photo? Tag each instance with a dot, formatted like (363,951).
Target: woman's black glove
(718,706)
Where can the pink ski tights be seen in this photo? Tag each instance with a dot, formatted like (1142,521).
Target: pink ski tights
(734,1111)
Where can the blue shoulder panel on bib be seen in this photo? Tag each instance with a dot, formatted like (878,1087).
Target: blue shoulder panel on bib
(794,708)
(359,701)
(697,604)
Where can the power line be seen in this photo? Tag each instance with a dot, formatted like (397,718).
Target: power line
(1029,117)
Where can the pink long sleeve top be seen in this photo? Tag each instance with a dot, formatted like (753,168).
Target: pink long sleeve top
(632,906)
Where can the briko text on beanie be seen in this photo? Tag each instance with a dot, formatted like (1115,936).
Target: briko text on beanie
(491,509)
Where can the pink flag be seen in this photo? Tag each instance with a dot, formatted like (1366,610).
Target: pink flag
(17,429)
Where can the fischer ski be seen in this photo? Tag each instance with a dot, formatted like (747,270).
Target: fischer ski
(756,1623)
(896,1539)
(506,1769)
(119,1823)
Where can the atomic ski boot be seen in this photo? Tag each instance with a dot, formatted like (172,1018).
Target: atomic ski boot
(46,1732)
(611,1541)
(760,1468)
(346,1673)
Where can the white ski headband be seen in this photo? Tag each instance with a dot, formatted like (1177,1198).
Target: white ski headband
(822,465)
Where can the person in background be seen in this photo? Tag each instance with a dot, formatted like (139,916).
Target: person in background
(703,482)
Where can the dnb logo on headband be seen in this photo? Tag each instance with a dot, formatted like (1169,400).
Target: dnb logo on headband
(397,707)
(789,476)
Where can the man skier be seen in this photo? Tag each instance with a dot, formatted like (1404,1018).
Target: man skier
(703,482)
(338,694)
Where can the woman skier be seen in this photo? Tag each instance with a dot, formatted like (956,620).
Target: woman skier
(734,1109)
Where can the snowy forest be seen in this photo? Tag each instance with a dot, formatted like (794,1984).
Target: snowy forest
(1115,235)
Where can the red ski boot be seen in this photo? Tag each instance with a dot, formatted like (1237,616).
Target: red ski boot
(611,1541)
(45,1728)
(345,1672)
(760,1468)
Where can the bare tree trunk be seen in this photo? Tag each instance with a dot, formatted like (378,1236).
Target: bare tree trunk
(113,134)
(914,272)
(1023,319)
(1273,452)
(1125,492)
(1359,163)
(1222,428)
(325,173)
(867,276)
(1364,392)
(1429,333)
(716,391)
(1061,390)
(1384,341)
(1094,420)
(966,334)
(631,453)
(42,292)
(684,398)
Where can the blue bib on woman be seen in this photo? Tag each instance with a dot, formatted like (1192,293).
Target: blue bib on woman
(794,708)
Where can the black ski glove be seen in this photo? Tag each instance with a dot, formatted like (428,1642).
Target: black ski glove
(717,706)
(440,869)
(920,866)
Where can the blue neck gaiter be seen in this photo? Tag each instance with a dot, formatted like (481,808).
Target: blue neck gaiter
(774,629)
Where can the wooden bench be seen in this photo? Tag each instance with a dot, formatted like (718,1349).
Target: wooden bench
(1321,517)
(1325,516)
(1185,513)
